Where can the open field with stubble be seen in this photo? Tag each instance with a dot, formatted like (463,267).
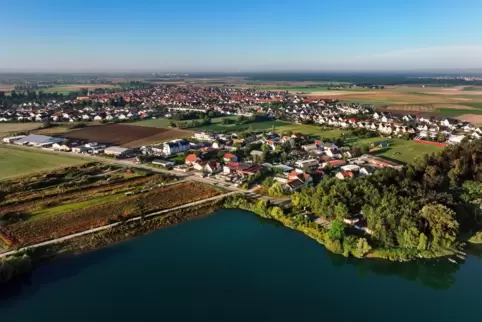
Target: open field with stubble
(279,126)
(67,88)
(72,200)
(6,88)
(7,129)
(15,162)
(130,136)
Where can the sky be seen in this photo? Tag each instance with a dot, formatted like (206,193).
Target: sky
(239,36)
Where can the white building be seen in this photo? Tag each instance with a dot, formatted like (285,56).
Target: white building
(306,164)
(12,139)
(176,146)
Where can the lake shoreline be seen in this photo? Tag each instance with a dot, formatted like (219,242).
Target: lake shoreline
(116,235)
(314,231)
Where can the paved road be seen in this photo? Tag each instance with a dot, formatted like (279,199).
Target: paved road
(90,231)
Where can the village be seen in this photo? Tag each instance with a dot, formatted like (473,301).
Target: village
(242,158)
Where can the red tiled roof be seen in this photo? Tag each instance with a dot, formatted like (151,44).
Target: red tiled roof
(347,174)
(336,162)
(229,156)
(191,158)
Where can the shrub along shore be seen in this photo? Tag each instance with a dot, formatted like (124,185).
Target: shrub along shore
(428,209)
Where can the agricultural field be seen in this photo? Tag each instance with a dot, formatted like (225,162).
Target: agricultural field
(7,129)
(76,199)
(15,162)
(67,88)
(130,136)
(279,126)
(472,118)
(6,88)
(442,101)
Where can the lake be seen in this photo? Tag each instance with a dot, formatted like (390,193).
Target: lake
(234,266)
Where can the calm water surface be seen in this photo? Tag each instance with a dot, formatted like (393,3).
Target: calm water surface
(233,266)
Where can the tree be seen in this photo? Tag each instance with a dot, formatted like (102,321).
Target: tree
(340,211)
(442,225)
(276,190)
(261,208)
(364,149)
(276,212)
(441,137)
(267,183)
(337,230)
(422,242)
(362,247)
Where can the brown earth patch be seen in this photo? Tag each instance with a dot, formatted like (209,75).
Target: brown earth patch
(130,136)
(7,88)
(75,87)
(10,128)
(472,118)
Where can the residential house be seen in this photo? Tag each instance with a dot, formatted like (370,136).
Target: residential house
(229,157)
(306,164)
(80,149)
(213,167)
(294,181)
(217,145)
(191,159)
(333,163)
(455,139)
(450,123)
(350,168)
(309,147)
(175,146)
(366,171)
(342,175)
(205,136)
(242,168)
(257,155)
(200,165)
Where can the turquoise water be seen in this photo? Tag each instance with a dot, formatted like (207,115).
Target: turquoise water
(234,266)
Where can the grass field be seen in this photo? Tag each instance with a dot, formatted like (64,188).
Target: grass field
(7,129)
(401,150)
(17,162)
(279,126)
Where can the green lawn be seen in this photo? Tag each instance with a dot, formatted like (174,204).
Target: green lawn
(17,162)
(475,105)
(401,150)
(53,90)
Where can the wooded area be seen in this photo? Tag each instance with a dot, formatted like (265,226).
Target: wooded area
(425,206)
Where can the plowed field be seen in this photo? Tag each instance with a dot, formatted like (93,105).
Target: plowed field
(130,136)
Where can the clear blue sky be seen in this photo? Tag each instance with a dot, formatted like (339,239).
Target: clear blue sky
(249,35)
